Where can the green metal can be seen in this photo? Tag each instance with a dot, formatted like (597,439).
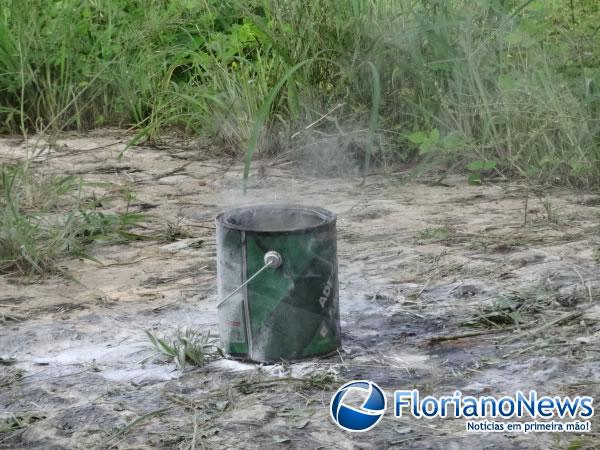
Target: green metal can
(290,310)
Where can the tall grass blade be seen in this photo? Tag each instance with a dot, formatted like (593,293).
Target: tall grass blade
(263,112)
(373,116)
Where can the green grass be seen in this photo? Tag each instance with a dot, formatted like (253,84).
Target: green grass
(432,235)
(46,218)
(503,83)
(187,346)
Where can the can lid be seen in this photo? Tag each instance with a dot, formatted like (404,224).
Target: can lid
(276,218)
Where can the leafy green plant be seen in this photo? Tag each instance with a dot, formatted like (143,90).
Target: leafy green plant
(479,169)
(187,347)
(425,141)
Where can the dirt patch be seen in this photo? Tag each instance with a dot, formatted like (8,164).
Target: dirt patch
(441,287)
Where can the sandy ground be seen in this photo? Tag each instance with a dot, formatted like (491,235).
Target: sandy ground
(432,280)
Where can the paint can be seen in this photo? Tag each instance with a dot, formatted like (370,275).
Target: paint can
(277,282)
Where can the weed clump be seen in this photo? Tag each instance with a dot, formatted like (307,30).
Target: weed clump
(46,218)
(187,346)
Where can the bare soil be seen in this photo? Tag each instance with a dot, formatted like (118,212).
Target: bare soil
(442,287)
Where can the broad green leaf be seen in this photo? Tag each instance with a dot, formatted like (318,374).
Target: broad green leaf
(479,165)
(418,137)
(488,165)
(475,166)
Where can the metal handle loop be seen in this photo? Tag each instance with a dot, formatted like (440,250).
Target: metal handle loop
(272,259)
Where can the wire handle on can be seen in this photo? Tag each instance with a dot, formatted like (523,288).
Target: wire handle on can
(272,259)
